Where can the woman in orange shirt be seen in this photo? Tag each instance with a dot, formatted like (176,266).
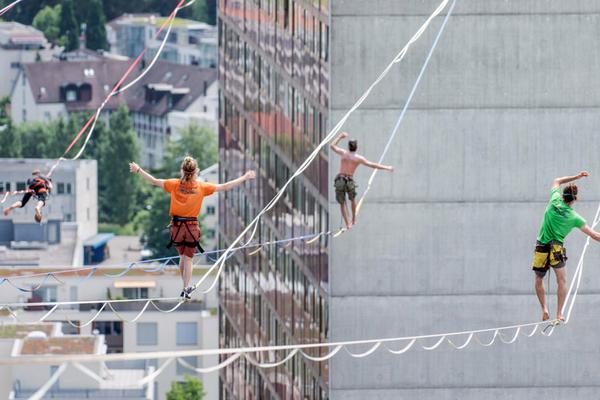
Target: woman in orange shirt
(187,194)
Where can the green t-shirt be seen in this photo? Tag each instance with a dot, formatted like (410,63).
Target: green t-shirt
(559,219)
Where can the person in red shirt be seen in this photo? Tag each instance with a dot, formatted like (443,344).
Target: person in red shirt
(187,194)
(38,186)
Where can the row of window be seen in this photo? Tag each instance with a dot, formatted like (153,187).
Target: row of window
(186,334)
(60,187)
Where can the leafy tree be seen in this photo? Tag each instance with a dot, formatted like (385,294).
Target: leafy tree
(198,142)
(69,27)
(118,186)
(47,20)
(191,389)
(96,26)
(36,139)
(153,221)
(10,140)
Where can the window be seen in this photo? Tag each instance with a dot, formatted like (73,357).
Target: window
(60,188)
(68,188)
(135,293)
(87,183)
(109,328)
(45,293)
(187,333)
(7,187)
(71,95)
(88,214)
(1,186)
(192,361)
(68,217)
(21,186)
(15,65)
(210,210)
(147,333)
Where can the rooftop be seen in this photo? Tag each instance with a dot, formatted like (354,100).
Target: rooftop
(185,82)
(156,20)
(76,344)
(16,35)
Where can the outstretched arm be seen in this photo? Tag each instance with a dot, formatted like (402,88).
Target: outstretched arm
(334,145)
(566,179)
(236,182)
(136,169)
(373,165)
(590,232)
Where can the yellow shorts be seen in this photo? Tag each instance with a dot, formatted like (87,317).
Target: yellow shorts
(548,255)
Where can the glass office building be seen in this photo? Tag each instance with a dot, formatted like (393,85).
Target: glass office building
(274,77)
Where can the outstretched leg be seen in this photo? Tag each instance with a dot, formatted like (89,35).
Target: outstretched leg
(8,210)
(561,280)
(541,294)
(353,212)
(38,211)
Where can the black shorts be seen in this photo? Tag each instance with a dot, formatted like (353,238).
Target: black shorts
(39,196)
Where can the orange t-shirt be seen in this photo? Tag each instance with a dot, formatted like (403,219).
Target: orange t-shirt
(186,199)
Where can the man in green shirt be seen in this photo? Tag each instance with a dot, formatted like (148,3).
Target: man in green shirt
(559,219)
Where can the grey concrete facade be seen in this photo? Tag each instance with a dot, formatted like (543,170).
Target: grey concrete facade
(509,102)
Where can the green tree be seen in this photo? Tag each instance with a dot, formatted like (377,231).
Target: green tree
(36,139)
(119,187)
(96,26)
(10,140)
(47,20)
(191,389)
(198,142)
(69,27)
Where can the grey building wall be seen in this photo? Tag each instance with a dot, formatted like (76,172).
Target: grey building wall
(509,102)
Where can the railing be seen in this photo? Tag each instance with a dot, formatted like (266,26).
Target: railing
(76,394)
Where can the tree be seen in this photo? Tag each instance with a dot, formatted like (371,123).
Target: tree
(10,140)
(36,139)
(119,187)
(96,26)
(47,20)
(198,142)
(191,389)
(69,27)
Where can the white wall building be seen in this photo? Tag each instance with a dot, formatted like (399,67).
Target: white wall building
(70,214)
(193,325)
(190,42)
(49,90)
(20,44)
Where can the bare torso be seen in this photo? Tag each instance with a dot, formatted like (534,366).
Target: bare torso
(350,161)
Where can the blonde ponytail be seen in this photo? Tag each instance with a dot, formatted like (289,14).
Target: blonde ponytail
(189,169)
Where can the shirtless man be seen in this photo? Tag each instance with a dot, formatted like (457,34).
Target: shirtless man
(344,181)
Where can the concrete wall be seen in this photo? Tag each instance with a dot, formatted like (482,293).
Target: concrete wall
(509,102)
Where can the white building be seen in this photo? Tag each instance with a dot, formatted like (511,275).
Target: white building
(193,325)
(73,381)
(70,214)
(190,42)
(48,90)
(20,44)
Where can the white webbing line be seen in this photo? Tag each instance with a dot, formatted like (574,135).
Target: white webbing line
(308,239)
(105,303)
(8,7)
(235,353)
(219,264)
(39,394)
(578,273)
(406,105)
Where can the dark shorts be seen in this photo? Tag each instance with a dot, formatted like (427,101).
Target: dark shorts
(548,255)
(189,233)
(40,196)
(344,184)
